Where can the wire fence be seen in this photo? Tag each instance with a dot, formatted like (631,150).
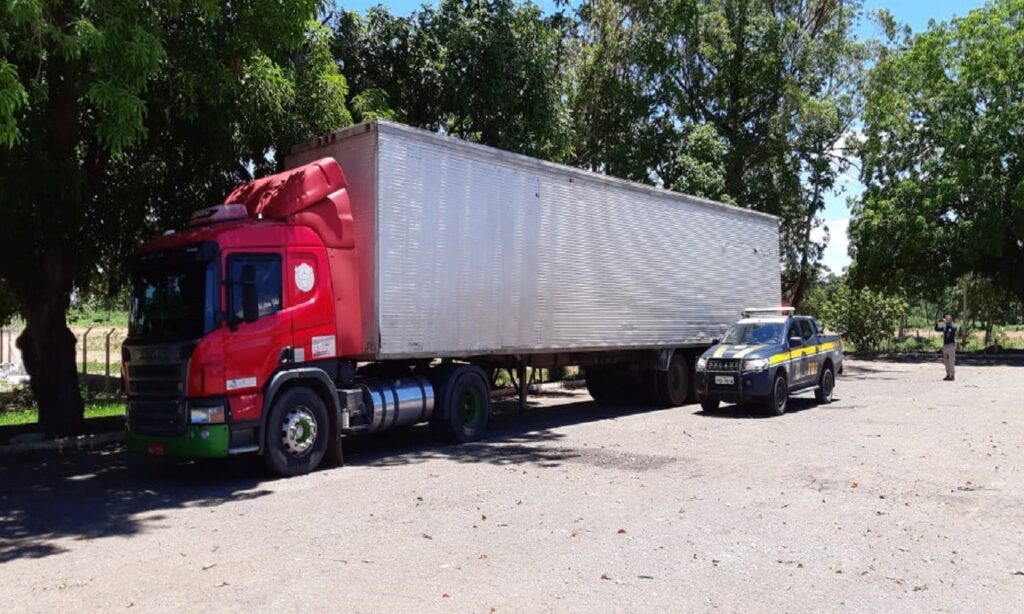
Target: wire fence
(97,352)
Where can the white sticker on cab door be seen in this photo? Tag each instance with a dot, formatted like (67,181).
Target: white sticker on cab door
(323,347)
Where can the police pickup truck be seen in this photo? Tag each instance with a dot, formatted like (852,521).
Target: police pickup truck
(767,356)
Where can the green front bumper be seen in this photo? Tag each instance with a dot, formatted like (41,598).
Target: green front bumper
(197,442)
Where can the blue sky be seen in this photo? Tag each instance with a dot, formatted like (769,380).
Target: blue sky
(915,13)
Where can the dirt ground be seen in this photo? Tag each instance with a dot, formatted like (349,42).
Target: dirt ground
(904,495)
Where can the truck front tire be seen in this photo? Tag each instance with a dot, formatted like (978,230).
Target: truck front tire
(298,430)
(463,405)
(778,397)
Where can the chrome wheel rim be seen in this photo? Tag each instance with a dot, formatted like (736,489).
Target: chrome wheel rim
(298,431)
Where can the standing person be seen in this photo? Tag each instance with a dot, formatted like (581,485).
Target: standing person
(948,330)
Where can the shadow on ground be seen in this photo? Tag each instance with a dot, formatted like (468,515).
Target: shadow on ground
(92,495)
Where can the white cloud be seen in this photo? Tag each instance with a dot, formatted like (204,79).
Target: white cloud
(835,257)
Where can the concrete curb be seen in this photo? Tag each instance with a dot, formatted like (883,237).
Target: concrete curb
(66,444)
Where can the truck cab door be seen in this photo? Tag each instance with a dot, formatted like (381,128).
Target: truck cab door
(798,360)
(258,328)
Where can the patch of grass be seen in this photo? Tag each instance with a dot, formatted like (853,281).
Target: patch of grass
(88,316)
(102,409)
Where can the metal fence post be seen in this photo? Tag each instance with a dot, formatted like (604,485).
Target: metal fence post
(112,330)
(85,350)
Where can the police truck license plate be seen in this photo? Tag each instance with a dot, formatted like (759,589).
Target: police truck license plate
(724,380)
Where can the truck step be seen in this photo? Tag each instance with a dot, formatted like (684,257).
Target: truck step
(244,449)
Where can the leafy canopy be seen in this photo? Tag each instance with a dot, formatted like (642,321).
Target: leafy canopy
(943,157)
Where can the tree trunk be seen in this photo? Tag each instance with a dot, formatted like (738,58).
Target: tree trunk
(48,347)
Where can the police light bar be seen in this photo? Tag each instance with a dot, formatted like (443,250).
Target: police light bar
(218,213)
(784,311)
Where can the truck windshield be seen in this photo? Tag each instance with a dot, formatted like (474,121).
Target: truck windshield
(173,303)
(757,332)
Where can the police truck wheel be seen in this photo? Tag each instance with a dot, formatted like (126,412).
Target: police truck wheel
(673,385)
(709,405)
(297,432)
(825,388)
(463,405)
(779,396)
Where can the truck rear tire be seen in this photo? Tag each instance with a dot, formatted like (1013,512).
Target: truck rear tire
(297,434)
(605,384)
(672,386)
(463,406)
(826,386)
(778,398)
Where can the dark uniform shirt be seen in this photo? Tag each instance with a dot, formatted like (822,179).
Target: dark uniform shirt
(948,330)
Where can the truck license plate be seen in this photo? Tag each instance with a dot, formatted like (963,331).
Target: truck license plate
(156,449)
(724,380)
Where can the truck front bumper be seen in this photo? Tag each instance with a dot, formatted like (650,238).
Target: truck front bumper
(198,441)
(745,387)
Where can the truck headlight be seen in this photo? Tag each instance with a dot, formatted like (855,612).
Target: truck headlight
(702,363)
(755,364)
(206,415)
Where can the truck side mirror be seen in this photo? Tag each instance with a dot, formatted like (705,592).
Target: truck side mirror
(715,341)
(795,342)
(250,299)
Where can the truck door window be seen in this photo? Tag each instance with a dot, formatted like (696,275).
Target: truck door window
(265,272)
(805,330)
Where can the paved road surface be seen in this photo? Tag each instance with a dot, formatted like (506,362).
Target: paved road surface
(903,495)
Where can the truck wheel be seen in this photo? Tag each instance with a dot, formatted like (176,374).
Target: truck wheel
(605,385)
(298,430)
(463,405)
(673,386)
(709,405)
(779,396)
(823,394)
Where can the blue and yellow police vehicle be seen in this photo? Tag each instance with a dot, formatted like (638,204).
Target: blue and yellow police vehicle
(766,357)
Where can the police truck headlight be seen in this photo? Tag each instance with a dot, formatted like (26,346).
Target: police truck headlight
(207,415)
(755,364)
(702,363)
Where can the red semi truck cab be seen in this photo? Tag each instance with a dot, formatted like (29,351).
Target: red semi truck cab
(257,293)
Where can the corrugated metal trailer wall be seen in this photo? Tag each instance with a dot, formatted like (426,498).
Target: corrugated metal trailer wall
(479,251)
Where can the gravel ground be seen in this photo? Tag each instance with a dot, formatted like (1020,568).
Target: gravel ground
(905,494)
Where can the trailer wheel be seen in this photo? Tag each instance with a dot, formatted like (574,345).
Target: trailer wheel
(673,385)
(778,397)
(827,385)
(463,406)
(605,385)
(297,434)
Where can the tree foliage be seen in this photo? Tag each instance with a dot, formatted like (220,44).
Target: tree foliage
(943,157)
(116,119)
(490,71)
(863,316)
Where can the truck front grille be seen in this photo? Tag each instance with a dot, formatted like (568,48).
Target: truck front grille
(724,364)
(156,398)
(165,417)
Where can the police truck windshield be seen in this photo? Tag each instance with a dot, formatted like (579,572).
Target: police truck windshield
(755,333)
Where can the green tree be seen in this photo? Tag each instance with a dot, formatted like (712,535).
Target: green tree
(116,118)
(943,157)
(865,317)
(740,100)
(489,71)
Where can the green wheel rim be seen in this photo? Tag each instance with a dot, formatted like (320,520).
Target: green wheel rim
(472,408)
